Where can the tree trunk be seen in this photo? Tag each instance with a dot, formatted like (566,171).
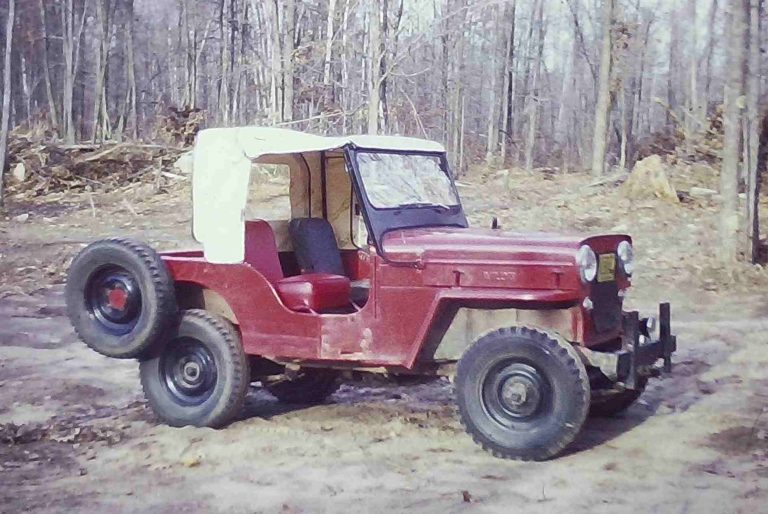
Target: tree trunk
(533,95)
(674,43)
(710,52)
(132,108)
(223,89)
(508,102)
(99,128)
(752,137)
(275,88)
(565,108)
(328,96)
(693,120)
(70,44)
(6,115)
(729,174)
(374,74)
(54,119)
(493,113)
(599,140)
(289,31)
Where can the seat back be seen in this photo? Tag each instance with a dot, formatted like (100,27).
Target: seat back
(261,250)
(315,245)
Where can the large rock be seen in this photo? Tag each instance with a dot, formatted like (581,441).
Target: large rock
(649,180)
(19,172)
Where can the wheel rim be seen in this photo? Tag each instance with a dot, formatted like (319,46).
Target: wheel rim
(113,298)
(189,371)
(515,393)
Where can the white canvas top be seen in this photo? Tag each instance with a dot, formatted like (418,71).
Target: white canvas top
(222,166)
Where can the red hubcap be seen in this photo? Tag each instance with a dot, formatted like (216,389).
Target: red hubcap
(117,298)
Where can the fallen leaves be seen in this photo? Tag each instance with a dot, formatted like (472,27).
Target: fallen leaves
(59,431)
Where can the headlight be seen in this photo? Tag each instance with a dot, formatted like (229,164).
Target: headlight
(587,261)
(626,257)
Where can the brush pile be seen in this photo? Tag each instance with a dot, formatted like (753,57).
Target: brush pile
(38,168)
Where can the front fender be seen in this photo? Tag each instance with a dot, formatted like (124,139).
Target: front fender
(459,326)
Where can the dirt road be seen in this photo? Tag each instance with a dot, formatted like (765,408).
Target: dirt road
(696,442)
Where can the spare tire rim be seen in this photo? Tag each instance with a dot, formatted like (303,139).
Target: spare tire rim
(188,370)
(515,392)
(113,298)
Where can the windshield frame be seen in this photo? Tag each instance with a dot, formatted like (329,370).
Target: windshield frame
(380,220)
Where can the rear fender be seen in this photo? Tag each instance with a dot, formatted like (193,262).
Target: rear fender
(190,295)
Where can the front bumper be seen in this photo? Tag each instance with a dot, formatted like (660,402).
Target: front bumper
(638,356)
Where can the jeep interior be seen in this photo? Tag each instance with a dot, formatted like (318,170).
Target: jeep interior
(312,254)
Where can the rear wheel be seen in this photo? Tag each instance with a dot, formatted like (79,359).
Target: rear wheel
(200,376)
(311,386)
(522,394)
(120,297)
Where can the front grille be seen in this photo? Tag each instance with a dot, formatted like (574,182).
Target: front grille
(606,313)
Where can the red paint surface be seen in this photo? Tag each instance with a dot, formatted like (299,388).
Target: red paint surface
(430,268)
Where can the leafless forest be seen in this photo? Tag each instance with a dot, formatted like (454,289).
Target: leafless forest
(525,82)
(566,84)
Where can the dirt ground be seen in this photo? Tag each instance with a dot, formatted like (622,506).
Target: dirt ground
(77,435)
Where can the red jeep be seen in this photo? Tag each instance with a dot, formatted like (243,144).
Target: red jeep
(377,271)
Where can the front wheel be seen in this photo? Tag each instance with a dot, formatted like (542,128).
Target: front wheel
(200,375)
(522,394)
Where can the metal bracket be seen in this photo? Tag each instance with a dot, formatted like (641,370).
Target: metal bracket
(669,341)
(630,341)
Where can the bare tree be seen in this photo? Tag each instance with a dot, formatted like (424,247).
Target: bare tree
(375,55)
(73,26)
(47,67)
(532,105)
(6,116)
(599,140)
(752,135)
(729,174)
(289,34)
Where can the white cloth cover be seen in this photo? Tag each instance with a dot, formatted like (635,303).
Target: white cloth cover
(222,166)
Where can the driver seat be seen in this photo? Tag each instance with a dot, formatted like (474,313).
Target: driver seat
(313,292)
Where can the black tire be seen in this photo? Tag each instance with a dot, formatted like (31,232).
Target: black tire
(611,404)
(120,297)
(200,375)
(522,394)
(311,386)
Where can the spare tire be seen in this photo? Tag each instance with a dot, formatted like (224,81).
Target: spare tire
(120,297)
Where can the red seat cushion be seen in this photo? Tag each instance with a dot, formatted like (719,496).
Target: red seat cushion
(314,291)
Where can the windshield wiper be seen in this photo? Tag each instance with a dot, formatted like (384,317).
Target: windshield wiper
(424,204)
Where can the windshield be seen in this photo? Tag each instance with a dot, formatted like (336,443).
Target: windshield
(396,180)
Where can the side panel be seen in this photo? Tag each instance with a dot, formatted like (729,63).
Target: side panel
(402,317)
(267,327)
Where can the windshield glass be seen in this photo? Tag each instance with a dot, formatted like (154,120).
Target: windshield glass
(397,180)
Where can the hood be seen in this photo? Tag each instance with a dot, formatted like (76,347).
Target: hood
(473,244)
